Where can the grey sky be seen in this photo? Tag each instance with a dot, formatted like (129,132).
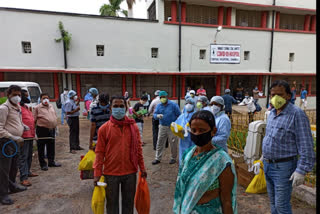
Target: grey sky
(74,6)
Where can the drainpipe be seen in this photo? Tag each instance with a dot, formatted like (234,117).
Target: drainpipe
(179,86)
(271,54)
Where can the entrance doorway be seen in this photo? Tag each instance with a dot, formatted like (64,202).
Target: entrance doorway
(208,82)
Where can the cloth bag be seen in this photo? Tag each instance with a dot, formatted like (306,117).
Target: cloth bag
(87,161)
(142,197)
(98,198)
(258,183)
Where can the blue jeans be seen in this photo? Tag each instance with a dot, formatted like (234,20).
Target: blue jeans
(63,113)
(279,186)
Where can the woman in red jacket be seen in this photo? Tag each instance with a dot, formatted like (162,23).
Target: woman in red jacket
(25,155)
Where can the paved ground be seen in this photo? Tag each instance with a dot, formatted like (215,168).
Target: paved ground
(60,190)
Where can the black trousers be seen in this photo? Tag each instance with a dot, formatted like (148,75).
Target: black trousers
(8,167)
(43,132)
(25,159)
(73,123)
(128,191)
(155,131)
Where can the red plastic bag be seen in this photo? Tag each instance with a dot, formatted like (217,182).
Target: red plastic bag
(142,197)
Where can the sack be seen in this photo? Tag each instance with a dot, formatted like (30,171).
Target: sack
(141,112)
(98,198)
(142,197)
(58,103)
(179,129)
(258,107)
(258,183)
(87,162)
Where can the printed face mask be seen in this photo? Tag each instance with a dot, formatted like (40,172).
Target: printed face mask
(278,101)
(215,109)
(199,105)
(16,99)
(201,139)
(118,113)
(45,101)
(163,100)
(189,107)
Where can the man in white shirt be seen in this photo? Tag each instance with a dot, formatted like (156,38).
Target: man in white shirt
(63,98)
(249,102)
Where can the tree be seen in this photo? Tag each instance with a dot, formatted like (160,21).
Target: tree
(130,4)
(112,9)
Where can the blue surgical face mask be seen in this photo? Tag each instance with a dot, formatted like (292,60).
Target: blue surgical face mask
(246,96)
(118,113)
(103,107)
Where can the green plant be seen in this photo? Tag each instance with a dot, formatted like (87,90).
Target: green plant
(65,36)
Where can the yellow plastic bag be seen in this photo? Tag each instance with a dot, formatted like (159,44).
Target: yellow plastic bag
(179,129)
(98,198)
(258,183)
(87,161)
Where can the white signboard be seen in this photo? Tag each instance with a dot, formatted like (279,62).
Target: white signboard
(224,54)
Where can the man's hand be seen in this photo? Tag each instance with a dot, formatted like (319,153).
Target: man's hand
(95,180)
(17,139)
(91,145)
(143,174)
(297,178)
(160,116)
(26,128)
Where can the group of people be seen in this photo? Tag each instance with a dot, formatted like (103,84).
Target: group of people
(206,181)
(19,127)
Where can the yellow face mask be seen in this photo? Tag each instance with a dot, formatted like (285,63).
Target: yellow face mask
(163,100)
(278,101)
(199,105)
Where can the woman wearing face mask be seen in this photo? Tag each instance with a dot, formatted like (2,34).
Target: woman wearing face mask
(223,123)
(202,103)
(182,120)
(207,180)
(118,157)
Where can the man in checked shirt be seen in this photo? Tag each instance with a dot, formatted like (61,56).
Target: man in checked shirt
(288,135)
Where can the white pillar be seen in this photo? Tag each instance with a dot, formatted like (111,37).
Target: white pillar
(233,16)
(64,80)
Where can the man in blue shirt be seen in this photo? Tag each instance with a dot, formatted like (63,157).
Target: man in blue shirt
(228,100)
(72,109)
(303,98)
(167,112)
(223,123)
(288,135)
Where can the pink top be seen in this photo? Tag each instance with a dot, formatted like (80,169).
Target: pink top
(202,92)
(28,120)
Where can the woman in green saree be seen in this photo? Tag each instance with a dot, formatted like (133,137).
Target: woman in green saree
(207,180)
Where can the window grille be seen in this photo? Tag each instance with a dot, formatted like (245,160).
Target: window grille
(291,22)
(248,18)
(100,50)
(202,54)
(246,55)
(154,52)
(167,10)
(26,47)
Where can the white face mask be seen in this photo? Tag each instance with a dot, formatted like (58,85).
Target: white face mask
(215,109)
(45,101)
(189,107)
(65,92)
(15,100)
(75,97)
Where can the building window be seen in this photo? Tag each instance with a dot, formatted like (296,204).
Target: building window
(201,14)
(291,57)
(202,54)
(100,50)
(248,18)
(291,22)
(152,11)
(154,52)
(26,47)
(246,55)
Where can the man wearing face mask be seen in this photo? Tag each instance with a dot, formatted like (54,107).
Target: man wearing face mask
(63,98)
(183,120)
(99,115)
(192,94)
(288,136)
(167,112)
(25,154)
(11,129)
(249,102)
(46,122)
(95,97)
(223,123)
(202,103)
(118,157)
(72,109)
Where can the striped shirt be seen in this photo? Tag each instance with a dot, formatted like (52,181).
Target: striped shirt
(289,134)
(99,116)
